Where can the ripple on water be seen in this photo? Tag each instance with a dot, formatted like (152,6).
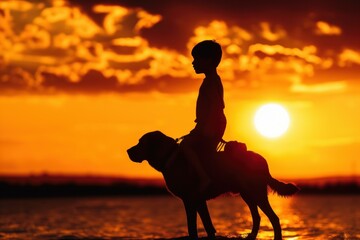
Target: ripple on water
(302,217)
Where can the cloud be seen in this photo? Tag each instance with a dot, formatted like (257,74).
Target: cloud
(61,48)
(114,16)
(21,6)
(330,87)
(227,36)
(16,79)
(324,28)
(307,53)
(92,82)
(269,34)
(349,57)
(249,63)
(106,46)
(146,20)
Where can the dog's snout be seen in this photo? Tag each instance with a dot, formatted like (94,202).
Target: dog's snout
(133,154)
(130,152)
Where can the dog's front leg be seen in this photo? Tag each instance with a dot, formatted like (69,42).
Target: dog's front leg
(206,219)
(190,209)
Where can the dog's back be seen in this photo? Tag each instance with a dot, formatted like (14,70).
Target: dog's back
(236,159)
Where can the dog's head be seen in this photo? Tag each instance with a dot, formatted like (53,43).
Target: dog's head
(151,147)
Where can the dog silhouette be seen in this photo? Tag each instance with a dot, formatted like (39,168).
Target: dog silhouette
(234,170)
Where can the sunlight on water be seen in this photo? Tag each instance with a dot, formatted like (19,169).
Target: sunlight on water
(302,217)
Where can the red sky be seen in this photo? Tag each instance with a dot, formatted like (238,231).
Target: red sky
(81,81)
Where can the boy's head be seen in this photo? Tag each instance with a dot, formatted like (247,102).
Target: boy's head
(208,50)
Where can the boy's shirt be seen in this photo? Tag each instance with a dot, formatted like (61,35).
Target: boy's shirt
(210,103)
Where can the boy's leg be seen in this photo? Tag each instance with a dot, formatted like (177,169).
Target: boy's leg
(193,158)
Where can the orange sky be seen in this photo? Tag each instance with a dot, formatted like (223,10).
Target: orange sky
(81,81)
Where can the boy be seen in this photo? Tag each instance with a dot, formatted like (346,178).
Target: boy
(210,118)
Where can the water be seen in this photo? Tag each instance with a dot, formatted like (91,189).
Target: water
(163,217)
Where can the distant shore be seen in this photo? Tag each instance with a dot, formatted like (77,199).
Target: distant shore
(38,186)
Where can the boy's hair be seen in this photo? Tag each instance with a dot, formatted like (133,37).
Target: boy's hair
(208,49)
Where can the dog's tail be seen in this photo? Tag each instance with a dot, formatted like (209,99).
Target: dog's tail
(283,189)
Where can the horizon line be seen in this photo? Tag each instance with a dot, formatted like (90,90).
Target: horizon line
(127,177)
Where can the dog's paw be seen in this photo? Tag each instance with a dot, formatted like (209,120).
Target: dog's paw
(250,237)
(211,236)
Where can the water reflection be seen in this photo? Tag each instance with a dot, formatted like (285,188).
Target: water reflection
(302,217)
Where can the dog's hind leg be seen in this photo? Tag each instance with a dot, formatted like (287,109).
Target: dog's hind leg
(251,202)
(206,219)
(274,219)
(190,209)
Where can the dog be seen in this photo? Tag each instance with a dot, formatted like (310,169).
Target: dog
(234,170)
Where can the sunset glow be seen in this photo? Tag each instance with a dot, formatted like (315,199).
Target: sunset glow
(80,81)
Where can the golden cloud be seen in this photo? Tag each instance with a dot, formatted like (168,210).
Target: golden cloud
(146,20)
(241,55)
(112,49)
(232,36)
(330,87)
(269,34)
(59,41)
(19,5)
(324,28)
(307,53)
(349,57)
(246,63)
(114,16)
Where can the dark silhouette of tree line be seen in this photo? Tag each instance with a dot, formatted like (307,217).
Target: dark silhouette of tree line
(27,189)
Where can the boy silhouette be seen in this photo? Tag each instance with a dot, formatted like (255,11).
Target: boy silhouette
(202,141)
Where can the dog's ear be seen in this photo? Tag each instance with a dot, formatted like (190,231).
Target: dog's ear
(159,142)
(156,138)
(158,134)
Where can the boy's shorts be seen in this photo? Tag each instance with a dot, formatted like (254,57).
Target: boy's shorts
(206,141)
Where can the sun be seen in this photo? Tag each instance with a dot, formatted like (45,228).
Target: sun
(271,120)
